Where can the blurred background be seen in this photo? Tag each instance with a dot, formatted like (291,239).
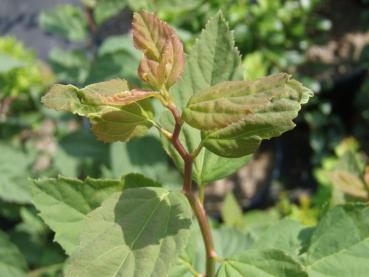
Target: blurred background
(322,162)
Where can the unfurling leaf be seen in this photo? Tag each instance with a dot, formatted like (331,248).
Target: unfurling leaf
(117,112)
(163,59)
(235,116)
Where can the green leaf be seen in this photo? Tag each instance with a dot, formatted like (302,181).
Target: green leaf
(114,44)
(261,263)
(192,259)
(13,179)
(138,232)
(116,112)
(66,21)
(116,58)
(12,262)
(134,180)
(64,204)
(255,66)
(287,235)
(231,212)
(257,222)
(31,236)
(235,116)
(340,243)
(213,59)
(69,66)
(105,9)
(78,151)
(146,156)
(163,59)
(230,241)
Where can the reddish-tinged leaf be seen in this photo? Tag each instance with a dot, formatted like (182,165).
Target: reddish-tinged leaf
(93,98)
(116,112)
(126,97)
(119,126)
(235,116)
(115,92)
(163,59)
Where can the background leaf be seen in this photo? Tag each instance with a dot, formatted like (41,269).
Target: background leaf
(261,263)
(340,243)
(14,186)
(66,21)
(287,235)
(116,58)
(231,212)
(12,262)
(7,63)
(105,9)
(69,66)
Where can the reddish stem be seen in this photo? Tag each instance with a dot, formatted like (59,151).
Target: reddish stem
(196,205)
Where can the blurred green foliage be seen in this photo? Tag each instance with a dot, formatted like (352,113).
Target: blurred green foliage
(272,35)
(19,69)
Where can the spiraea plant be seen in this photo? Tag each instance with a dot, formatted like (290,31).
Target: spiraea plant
(210,122)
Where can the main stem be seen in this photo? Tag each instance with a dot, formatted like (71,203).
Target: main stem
(195,203)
